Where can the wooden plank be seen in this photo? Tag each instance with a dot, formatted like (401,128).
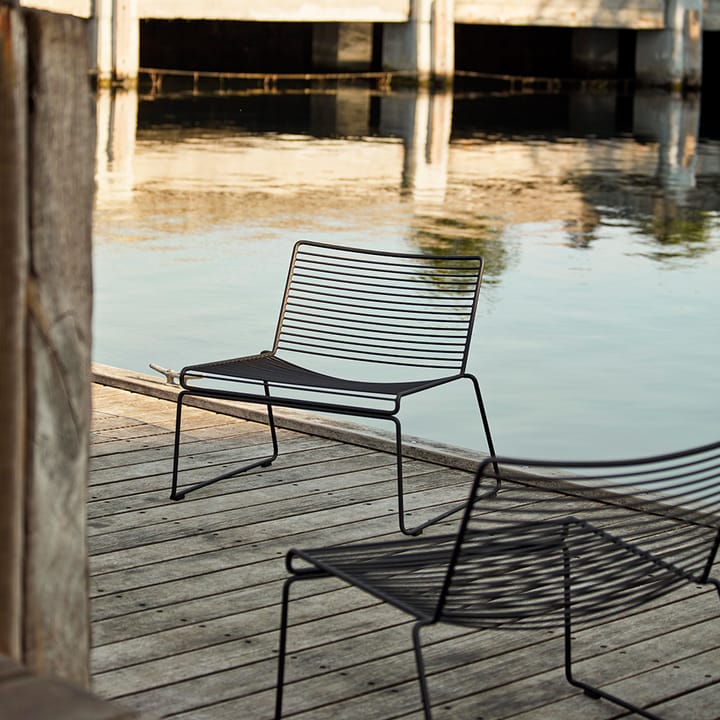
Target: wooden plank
(653,680)
(136,428)
(186,595)
(159,523)
(307,460)
(114,451)
(170,560)
(206,442)
(135,484)
(213,452)
(506,682)
(259,612)
(119,593)
(360,664)
(703,703)
(193,635)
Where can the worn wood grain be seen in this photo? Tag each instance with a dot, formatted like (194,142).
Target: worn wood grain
(13,285)
(186,605)
(61,155)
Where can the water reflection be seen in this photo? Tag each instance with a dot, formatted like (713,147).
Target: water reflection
(596,214)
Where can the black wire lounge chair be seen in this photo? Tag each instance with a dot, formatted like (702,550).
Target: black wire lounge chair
(563,545)
(359,331)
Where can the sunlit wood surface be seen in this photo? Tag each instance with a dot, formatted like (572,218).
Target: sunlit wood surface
(185,595)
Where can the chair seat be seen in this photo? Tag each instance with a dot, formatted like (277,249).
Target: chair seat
(280,373)
(408,574)
(506,576)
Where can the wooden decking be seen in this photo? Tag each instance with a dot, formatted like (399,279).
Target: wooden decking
(185,595)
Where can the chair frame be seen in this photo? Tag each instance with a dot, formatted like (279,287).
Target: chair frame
(664,544)
(381,319)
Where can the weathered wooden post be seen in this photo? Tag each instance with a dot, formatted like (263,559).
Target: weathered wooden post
(13,290)
(46,195)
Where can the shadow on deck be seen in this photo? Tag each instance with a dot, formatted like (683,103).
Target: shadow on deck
(186,595)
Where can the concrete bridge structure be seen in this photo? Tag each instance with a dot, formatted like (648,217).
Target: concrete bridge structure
(418,35)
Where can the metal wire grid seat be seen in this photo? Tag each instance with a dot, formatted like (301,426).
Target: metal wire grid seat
(546,551)
(395,323)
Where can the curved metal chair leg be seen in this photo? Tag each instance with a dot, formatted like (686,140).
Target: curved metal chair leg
(590,690)
(176,448)
(262,462)
(401,492)
(483,415)
(424,692)
(282,647)
(282,644)
(417,530)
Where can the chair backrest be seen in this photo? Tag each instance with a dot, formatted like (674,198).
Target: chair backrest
(394,309)
(603,536)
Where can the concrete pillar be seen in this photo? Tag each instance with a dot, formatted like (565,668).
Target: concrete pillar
(672,57)
(595,52)
(126,42)
(115,33)
(425,45)
(102,21)
(342,46)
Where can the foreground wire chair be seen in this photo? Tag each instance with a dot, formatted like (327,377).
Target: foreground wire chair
(547,551)
(395,324)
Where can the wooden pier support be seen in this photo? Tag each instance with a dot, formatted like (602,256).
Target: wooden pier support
(47,136)
(126,43)
(672,57)
(102,24)
(425,44)
(115,40)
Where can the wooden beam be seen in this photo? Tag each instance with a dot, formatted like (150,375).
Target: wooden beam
(59,303)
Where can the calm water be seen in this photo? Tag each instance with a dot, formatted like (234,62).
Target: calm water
(598,330)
